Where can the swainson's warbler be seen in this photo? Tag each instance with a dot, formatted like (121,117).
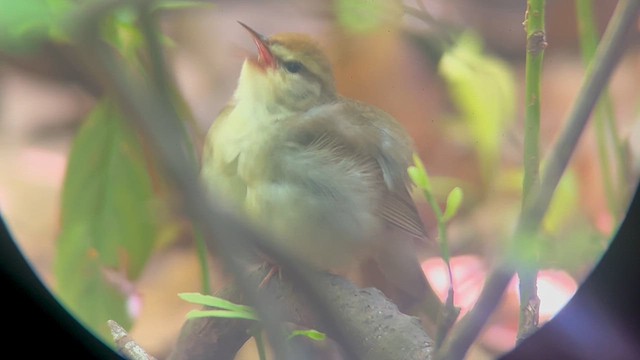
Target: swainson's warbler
(326,175)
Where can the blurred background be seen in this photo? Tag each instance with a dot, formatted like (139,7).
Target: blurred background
(452,72)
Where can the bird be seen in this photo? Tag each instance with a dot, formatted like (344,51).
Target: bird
(325,175)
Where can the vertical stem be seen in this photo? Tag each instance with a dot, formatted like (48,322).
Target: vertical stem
(536,43)
(527,273)
(449,313)
(605,121)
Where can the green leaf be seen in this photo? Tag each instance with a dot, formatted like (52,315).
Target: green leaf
(453,204)
(418,177)
(227,314)
(26,22)
(107,220)
(483,89)
(213,301)
(311,334)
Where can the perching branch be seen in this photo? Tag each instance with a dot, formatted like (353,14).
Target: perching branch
(382,331)
(608,55)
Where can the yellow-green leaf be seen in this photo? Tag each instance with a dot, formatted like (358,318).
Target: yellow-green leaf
(454,199)
(483,89)
(365,16)
(227,314)
(418,174)
(418,177)
(213,301)
(311,334)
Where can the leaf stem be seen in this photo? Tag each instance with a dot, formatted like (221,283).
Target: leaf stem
(257,336)
(203,262)
(449,312)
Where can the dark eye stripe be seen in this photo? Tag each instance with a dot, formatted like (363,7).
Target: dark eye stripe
(293,67)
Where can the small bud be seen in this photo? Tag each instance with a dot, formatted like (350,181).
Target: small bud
(418,174)
(454,199)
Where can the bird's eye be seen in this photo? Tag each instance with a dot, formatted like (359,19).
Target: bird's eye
(293,66)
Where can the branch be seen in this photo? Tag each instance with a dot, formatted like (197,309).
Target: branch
(608,55)
(382,334)
(126,345)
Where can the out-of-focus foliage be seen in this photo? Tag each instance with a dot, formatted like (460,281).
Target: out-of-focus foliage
(26,22)
(364,16)
(564,203)
(483,89)
(108,220)
(122,32)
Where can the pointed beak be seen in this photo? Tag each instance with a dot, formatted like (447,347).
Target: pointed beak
(265,57)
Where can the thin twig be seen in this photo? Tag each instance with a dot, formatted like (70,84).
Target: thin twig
(126,345)
(449,312)
(467,330)
(608,55)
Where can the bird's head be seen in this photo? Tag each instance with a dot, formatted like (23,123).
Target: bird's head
(290,74)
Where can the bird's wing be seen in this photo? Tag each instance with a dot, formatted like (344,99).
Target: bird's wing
(402,213)
(376,143)
(375,146)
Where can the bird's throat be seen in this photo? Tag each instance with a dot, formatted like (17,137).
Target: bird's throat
(255,96)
